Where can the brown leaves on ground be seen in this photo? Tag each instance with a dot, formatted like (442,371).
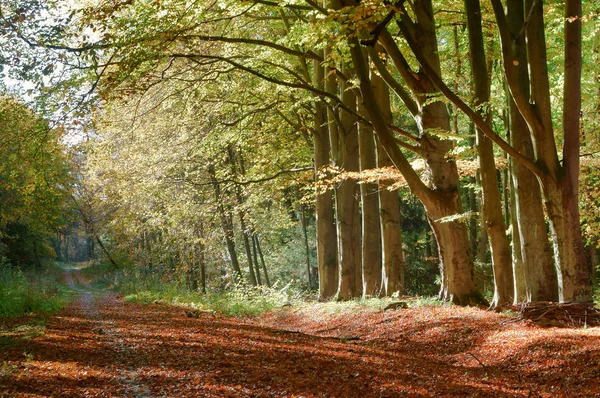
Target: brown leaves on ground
(101,346)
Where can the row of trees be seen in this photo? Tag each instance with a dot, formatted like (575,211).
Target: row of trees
(199,100)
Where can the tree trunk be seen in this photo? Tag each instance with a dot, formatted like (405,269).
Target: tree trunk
(227,226)
(246,240)
(306,247)
(242,217)
(491,201)
(540,272)
(347,204)
(326,229)
(458,272)
(262,261)
(371,232)
(575,276)
(202,262)
(519,276)
(255,257)
(392,278)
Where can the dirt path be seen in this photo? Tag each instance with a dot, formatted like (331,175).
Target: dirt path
(101,346)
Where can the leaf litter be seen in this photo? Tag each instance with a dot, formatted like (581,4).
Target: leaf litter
(101,346)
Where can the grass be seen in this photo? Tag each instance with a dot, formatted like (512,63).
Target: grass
(40,292)
(241,301)
(26,299)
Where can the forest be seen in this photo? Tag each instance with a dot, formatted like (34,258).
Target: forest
(295,187)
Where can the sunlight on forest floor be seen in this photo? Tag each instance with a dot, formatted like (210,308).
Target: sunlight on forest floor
(102,346)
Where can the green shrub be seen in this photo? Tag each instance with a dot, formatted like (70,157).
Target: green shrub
(243,300)
(34,292)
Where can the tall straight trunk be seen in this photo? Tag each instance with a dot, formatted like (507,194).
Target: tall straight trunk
(226,226)
(255,257)
(540,272)
(371,232)
(392,276)
(519,276)
(564,216)
(575,276)
(560,182)
(262,261)
(202,262)
(245,237)
(347,204)
(233,159)
(324,210)
(192,261)
(306,246)
(491,201)
(246,240)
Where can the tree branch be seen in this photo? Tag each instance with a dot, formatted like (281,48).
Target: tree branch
(473,115)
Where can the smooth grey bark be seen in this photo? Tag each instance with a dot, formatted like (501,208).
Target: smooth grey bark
(262,260)
(392,277)
(255,258)
(324,203)
(371,231)
(490,193)
(541,281)
(306,246)
(347,203)
(242,217)
(519,275)
(559,182)
(226,226)
(441,202)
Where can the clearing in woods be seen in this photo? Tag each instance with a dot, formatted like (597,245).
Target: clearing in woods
(102,346)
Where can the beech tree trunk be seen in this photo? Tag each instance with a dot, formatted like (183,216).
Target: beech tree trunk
(540,272)
(306,246)
(519,276)
(347,203)
(226,225)
(441,198)
(575,272)
(491,201)
(262,260)
(242,217)
(255,260)
(202,262)
(371,232)
(326,229)
(392,278)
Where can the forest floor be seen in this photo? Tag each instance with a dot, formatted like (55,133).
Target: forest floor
(102,346)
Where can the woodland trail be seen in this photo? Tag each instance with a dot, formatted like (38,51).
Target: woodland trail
(101,346)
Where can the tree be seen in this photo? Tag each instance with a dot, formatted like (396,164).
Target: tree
(34,184)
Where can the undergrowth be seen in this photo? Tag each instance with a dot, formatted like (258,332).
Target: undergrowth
(158,287)
(145,287)
(242,300)
(26,292)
